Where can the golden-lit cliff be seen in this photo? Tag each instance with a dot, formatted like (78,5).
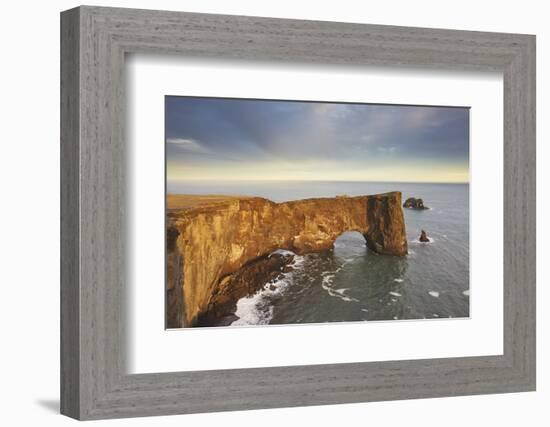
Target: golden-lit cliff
(212,240)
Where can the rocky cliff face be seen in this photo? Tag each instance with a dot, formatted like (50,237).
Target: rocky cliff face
(210,243)
(249,279)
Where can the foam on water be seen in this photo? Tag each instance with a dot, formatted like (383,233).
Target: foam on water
(418,242)
(327,284)
(398,280)
(281,252)
(256,309)
(249,312)
(395,294)
(434,294)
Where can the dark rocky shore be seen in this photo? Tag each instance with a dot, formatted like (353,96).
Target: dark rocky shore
(249,279)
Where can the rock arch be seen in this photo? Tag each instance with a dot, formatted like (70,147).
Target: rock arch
(213,241)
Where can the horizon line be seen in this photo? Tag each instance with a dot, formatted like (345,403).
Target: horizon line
(317,180)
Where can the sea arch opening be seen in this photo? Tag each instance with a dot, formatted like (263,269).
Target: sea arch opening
(350,243)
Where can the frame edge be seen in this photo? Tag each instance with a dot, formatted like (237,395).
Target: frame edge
(70,395)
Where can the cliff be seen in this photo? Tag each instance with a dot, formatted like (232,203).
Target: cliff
(211,238)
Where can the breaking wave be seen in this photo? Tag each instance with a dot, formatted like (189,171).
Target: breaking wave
(257,309)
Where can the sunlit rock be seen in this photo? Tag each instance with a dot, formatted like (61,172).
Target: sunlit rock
(211,238)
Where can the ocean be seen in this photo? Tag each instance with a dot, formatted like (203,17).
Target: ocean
(351,283)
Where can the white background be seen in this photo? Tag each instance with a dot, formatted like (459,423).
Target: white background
(154,350)
(29,214)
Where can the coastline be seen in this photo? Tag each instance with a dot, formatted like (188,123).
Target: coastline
(212,239)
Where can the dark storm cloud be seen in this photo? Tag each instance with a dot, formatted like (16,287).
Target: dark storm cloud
(226,130)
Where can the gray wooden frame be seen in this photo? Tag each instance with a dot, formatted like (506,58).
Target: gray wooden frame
(94,41)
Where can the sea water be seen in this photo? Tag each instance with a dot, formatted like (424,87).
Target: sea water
(352,283)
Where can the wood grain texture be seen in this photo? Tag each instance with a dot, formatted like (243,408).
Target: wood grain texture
(70,307)
(94,381)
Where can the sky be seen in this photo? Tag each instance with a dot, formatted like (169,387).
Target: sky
(238,139)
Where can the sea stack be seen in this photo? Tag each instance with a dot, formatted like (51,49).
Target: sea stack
(414,203)
(423,237)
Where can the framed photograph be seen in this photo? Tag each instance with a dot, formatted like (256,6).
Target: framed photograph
(277,212)
(262,213)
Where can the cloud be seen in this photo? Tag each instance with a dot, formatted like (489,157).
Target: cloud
(206,131)
(186,144)
(387,150)
(180,141)
(329,111)
(419,118)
